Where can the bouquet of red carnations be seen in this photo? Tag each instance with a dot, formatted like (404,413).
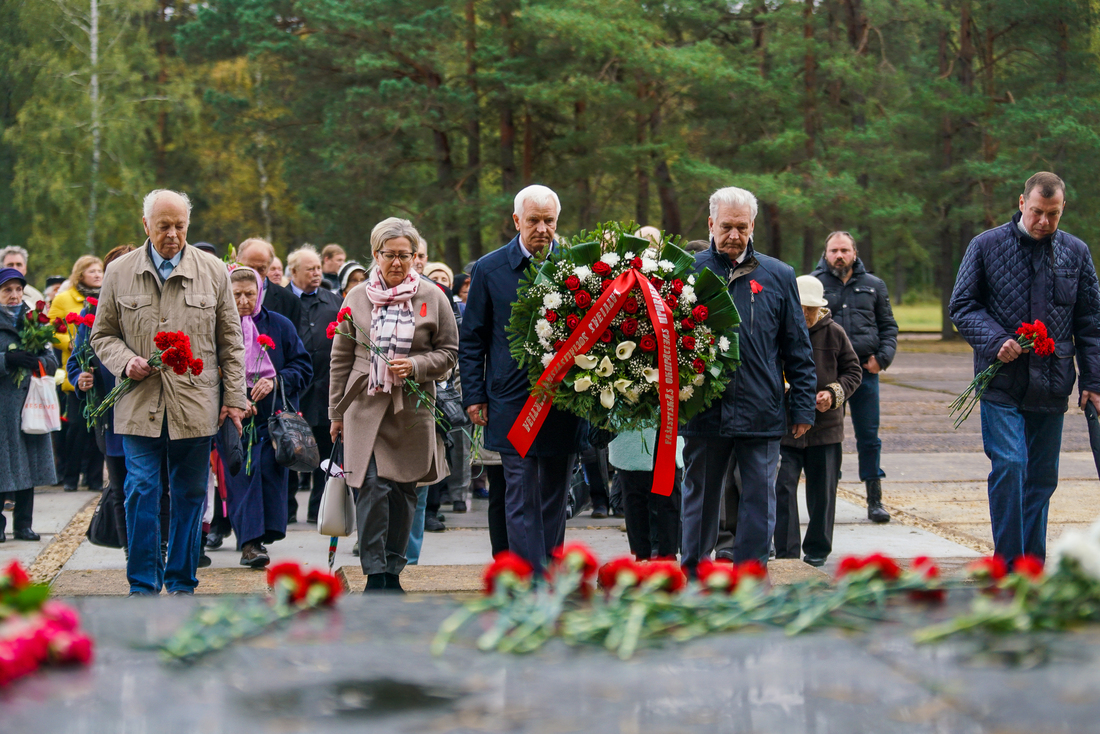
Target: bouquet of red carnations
(173,351)
(1029,336)
(36,333)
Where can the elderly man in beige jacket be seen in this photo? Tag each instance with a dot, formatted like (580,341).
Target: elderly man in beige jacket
(168,286)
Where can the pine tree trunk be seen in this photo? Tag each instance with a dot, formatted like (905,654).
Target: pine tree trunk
(93,93)
(473,140)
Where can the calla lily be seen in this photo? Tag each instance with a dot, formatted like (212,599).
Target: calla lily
(584,361)
(651,374)
(607,397)
(622,384)
(582,383)
(606,368)
(625,349)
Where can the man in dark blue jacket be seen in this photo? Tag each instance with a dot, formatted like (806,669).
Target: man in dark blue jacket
(751,417)
(1028,270)
(495,388)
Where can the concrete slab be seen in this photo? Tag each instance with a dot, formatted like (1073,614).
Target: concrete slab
(53,509)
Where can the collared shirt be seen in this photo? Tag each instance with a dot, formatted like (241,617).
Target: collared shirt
(158,260)
(528,255)
(299,292)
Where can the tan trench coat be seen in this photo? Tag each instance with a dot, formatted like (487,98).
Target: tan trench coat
(195,299)
(401,437)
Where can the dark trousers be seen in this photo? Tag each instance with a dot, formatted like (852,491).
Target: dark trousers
(706,461)
(727,517)
(23,513)
(594,463)
(116,469)
(864,409)
(822,467)
(535,497)
(384,512)
(314,481)
(498,516)
(81,452)
(1023,447)
(650,516)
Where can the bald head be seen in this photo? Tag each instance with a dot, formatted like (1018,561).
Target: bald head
(256,254)
(166,216)
(650,233)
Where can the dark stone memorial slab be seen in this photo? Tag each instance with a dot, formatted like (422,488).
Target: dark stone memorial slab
(365,666)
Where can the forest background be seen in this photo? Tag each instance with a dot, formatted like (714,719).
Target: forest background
(911,123)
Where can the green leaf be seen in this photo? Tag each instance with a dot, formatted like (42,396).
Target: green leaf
(723,313)
(708,285)
(682,261)
(585,253)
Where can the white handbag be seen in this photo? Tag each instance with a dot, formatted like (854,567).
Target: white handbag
(336,515)
(41,410)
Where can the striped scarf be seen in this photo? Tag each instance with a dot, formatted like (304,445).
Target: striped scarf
(391,325)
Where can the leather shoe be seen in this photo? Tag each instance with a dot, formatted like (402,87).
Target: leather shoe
(214,540)
(599,512)
(25,534)
(375,582)
(393,583)
(3,537)
(355,549)
(69,489)
(181,592)
(253,557)
(459,506)
(815,561)
(204,561)
(433,525)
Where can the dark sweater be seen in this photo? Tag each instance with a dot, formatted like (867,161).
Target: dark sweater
(838,371)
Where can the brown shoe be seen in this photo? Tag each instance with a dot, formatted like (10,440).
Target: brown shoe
(253,557)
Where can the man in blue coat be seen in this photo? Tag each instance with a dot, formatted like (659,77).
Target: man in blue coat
(751,418)
(495,388)
(1028,270)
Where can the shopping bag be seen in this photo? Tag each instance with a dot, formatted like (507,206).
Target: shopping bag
(336,515)
(41,410)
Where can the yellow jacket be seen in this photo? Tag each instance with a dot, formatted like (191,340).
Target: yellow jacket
(69,301)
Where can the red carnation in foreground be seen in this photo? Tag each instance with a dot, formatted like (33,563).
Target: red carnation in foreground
(92,301)
(507,568)
(14,577)
(265,342)
(636,263)
(578,557)
(331,330)
(1044,347)
(618,572)
(665,575)
(196,367)
(344,314)
(720,576)
(882,566)
(991,569)
(72,317)
(928,571)
(1028,566)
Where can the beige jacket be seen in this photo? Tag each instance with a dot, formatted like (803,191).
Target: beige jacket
(401,436)
(195,299)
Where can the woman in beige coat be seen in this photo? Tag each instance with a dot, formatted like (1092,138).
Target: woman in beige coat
(390,443)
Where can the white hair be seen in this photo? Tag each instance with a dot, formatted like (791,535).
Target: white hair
(732,196)
(539,196)
(151,199)
(14,250)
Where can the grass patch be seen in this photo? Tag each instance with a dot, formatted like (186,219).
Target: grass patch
(918,317)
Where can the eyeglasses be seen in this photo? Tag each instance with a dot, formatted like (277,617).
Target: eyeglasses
(389,257)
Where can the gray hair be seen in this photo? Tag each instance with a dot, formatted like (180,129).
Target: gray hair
(151,199)
(294,259)
(390,229)
(14,250)
(732,196)
(539,196)
(254,242)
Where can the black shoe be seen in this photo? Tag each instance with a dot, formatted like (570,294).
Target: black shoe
(3,537)
(355,549)
(26,534)
(441,517)
(311,520)
(459,506)
(599,513)
(393,583)
(98,489)
(816,562)
(433,525)
(875,511)
(204,561)
(214,540)
(181,592)
(69,489)
(375,582)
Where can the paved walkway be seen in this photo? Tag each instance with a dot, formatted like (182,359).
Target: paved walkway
(935,486)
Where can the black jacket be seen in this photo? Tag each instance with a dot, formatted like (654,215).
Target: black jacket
(862,308)
(774,344)
(1007,278)
(318,311)
(282,301)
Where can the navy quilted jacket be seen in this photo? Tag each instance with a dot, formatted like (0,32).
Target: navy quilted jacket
(1007,278)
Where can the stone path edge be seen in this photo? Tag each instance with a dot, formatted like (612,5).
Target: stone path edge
(902,517)
(54,556)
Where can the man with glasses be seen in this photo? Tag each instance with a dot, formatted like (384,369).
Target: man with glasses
(858,301)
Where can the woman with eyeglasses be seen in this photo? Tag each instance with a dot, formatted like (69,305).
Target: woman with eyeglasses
(390,442)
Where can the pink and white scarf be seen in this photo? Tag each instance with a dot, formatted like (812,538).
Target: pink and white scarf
(391,325)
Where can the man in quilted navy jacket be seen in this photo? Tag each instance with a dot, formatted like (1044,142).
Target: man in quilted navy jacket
(1028,270)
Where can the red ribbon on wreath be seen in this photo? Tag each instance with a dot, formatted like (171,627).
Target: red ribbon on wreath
(588,332)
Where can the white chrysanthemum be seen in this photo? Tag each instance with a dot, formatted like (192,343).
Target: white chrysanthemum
(688,295)
(698,380)
(544,342)
(543,329)
(628,256)
(611,258)
(547,358)
(723,344)
(686,392)
(631,395)
(583,272)
(1078,546)
(648,265)
(552,300)
(691,280)
(664,266)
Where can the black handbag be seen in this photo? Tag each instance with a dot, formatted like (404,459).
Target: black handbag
(291,437)
(229,447)
(104,530)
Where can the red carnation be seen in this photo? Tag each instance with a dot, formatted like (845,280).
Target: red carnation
(44,319)
(601,269)
(687,324)
(687,342)
(265,342)
(551,316)
(636,263)
(605,337)
(677,286)
(572,282)
(196,367)
(672,301)
(991,569)
(882,566)
(506,566)
(647,343)
(629,327)
(700,313)
(71,317)
(331,330)
(1028,566)
(630,305)
(717,576)
(698,365)
(620,571)
(344,314)
(667,575)
(92,301)
(180,368)
(1043,347)
(583,299)
(572,321)
(578,557)
(752,569)
(17,578)
(89,320)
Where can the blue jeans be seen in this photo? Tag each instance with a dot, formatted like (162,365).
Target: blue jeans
(863,404)
(1023,447)
(416,535)
(188,473)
